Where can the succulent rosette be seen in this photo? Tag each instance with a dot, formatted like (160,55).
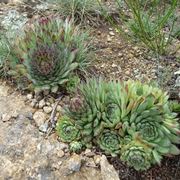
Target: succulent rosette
(109,141)
(66,130)
(137,155)
(96,111)
(52,50)
(76,146)
(175,106)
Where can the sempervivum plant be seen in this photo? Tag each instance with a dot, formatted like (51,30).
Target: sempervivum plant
(66,130)
(128,119)
(137,155)
(109,141)
(94,111)
(175,106)
(52,50)
(76,146)
(145,112)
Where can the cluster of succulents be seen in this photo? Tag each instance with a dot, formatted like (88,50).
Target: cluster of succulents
(52,51)
(127,119)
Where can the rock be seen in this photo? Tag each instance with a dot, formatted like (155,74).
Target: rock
(120,54)
(44,127)
(29,96)
(48,103)
(112,33)
(39,118)
(47,109)
(60,153)
(46,92)
(42,103)
(73,164)
(89,153)
(86,173)
(62,146)
(33,103)
(177,72)
(114,65)
(127,72)
(56,165)
(25,154)
(51,100)
(177,84)
(107,171)
(15,114)
(99,33)
(38,96)
(59,108)
(130,55)
(109,39)
(90,162)
(97,159)
(6,117)
(29,115)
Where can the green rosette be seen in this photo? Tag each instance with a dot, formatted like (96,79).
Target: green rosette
(109,141)
(137,155)
(66,130)
(76,146)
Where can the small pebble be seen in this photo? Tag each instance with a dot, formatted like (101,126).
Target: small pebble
(112,33)
(29,96)
(60,153)
(42,103)
(44,127)
(33,103)
(47,109)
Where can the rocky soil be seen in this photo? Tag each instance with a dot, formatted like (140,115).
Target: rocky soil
(25,153)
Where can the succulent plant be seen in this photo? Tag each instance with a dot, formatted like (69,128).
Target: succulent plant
(129,119)
(109,141)
(76,146)
(137,155)
(175,106)
(96,111)
(66,130)
(51,51)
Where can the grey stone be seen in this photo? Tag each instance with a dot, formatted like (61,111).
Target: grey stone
(33,103)
(73,164)
(6,117)
(39,118)
(44,127)
(89,153)
(107,171)
(29,96)
(112,33)
(97,159)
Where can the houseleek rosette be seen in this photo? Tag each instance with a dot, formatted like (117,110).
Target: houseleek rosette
(76,146)
(66,130)
(93,110)
(49,67)
(109,141)
(130,119)
(51,50)
(137,155)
